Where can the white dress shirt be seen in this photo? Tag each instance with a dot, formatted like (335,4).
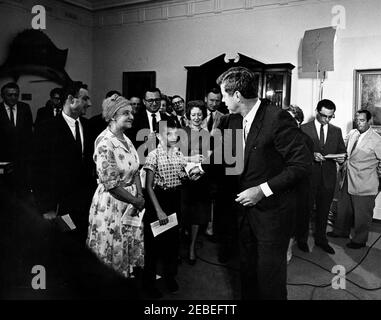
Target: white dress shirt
(8,109)
(325,129)
(247,122)
(71,123)
(149,116)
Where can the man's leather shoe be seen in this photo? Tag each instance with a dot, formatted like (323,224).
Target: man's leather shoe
(331,234)
(326,247)
(354,245)
(303,247)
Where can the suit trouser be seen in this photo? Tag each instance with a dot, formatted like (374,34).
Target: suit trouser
(323,197)
(263,265)
(303,209)
(354,211)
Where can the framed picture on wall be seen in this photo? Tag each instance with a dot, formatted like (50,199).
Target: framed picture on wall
(368,94)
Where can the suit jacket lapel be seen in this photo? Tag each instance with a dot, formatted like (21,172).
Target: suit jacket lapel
(254,130)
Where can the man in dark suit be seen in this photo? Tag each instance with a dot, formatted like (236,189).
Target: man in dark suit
(178,104)
(52,108)
(327,139)
(274,160)
(62,169)
(15,135)
(145,121)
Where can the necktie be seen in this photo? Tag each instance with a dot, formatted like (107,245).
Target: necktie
(355,144)
(182,120)
(153,122)
(12,117)
(321,142)
(78,137)
(210,122)
(57,111)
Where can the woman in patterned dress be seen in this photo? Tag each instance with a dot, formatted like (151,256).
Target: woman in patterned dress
(118,199)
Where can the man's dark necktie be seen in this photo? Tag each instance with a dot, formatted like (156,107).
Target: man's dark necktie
(210,122)
(12,117)
(321,137)
(355,144)
(57,111)
(182,121)
(78,142)
(153,122)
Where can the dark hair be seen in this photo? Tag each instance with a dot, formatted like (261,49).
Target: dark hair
(112,92)
(297,112)
(56,91)
(239,79)
(325,103)
(176,96)
(9,85)
(196,104)
(152,90)
(169,123)
(368,114)
(72,89)
(214,90)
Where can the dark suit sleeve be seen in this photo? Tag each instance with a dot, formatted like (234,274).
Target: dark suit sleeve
(341,144)
(42,169)
(297,160)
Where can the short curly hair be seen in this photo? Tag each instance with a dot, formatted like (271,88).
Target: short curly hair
(196,104)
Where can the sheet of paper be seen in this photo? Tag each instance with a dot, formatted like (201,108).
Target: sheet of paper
(334,156)
(129,219)
(190,166)
(157,228)
(66,218)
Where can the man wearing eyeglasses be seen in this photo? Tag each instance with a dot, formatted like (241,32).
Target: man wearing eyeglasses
(327,139)
(148,117)
(179,108)
(52,109)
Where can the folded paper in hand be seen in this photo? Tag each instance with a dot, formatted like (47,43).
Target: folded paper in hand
(65,223)
(190,166)
(334,156)
(157,228)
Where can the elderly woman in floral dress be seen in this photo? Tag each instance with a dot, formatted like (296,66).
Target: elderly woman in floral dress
(111,236)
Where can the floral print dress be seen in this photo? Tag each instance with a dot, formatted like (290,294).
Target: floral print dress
(116,243)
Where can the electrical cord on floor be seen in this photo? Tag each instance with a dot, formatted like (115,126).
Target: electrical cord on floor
(315,286)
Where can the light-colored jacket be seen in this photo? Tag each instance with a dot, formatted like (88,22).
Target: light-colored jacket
(361,165)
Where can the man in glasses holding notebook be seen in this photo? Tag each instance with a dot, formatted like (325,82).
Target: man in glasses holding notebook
(329,150)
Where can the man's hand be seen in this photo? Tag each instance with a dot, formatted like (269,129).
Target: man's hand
(197,158)
(250,197)
(163,218)
(195,173)
(50,215)
(139,203)
(340,160)
(319,157)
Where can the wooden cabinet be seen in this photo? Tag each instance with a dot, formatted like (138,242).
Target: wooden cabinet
(274,80)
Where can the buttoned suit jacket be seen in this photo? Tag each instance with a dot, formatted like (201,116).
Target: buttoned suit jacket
(334,144)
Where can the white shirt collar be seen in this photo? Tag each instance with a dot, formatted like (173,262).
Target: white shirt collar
(9,108)
(249,118)
(70,121)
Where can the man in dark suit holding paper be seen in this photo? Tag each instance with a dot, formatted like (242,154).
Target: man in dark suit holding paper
(275,159)
(327,140)
(62,161)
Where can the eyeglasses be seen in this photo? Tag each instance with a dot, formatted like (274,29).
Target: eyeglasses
(178,102)
(326,117)
(151,101)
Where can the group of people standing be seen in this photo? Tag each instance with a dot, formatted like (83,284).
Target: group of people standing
(131,162)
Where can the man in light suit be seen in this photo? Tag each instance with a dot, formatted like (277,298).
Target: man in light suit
(360,183)
(275,159)
(327,139)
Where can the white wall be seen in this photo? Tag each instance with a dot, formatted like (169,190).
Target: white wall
(77,36)
(270,34)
